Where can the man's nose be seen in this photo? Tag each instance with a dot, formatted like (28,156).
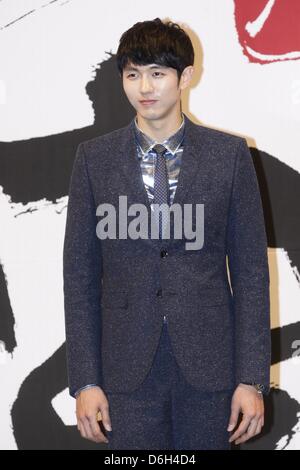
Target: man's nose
(146,85)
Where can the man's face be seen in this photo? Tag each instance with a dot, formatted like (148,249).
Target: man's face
(152,82)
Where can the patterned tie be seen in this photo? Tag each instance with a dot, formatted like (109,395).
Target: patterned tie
(161,182)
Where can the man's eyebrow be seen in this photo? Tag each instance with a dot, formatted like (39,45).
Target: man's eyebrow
(131,67)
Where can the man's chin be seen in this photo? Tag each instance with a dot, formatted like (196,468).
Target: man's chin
(148,115)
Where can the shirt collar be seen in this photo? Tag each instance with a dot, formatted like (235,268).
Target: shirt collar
(172,143)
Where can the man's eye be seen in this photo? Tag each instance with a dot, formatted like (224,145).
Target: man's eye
(133,74)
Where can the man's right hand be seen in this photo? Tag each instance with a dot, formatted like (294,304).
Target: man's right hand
(88,404)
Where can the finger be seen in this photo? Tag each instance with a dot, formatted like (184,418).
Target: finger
(259,426)
(250,432)
(233,419)
(88,429)
(82,430)
(96,431)
(241,429)
(106,418)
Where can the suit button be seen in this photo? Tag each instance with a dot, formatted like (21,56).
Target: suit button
(159,293)
(163,253)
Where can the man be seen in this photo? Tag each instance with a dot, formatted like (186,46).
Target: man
(158,344)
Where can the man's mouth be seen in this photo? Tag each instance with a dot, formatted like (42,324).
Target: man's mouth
(148,102)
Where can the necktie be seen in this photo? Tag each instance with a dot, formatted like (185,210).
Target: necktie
(161,182)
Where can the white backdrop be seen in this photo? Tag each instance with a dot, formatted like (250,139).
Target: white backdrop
(48,53)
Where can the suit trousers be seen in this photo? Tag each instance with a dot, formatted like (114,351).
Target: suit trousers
(166,412)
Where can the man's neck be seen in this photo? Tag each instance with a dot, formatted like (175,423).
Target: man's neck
(159,130)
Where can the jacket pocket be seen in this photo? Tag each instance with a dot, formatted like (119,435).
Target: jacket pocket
(205,296)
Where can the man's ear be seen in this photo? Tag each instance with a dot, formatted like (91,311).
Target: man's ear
(186,77)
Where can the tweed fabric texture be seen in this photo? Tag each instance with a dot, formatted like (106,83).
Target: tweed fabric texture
(117,291)
(166,412)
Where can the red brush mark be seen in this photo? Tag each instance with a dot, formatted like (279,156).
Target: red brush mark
(268,30)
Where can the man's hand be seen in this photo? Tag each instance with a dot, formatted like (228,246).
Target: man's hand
(88,404)
(251,404)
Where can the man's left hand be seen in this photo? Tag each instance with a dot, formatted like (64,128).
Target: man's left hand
(250,403)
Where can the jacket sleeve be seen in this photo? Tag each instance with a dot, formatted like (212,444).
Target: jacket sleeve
(82,271)
(249,273)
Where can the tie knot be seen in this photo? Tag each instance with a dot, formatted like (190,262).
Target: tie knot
(159,149)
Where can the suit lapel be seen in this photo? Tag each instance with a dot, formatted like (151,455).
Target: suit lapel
(192,159)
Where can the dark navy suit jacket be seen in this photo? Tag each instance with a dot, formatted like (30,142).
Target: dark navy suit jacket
(117,291)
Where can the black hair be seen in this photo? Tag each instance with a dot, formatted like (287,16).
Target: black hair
(149,42)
